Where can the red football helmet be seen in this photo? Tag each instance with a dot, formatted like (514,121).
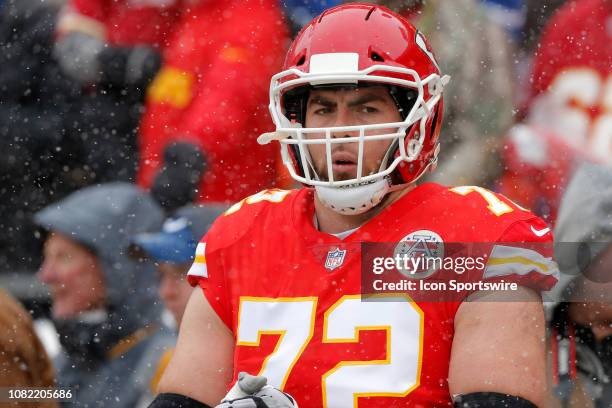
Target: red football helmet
(355,45)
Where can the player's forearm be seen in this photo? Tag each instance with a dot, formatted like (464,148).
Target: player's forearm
(202,364)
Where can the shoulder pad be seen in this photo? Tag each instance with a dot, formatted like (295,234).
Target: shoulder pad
(239,218)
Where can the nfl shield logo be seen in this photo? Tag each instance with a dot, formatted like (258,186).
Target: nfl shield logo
(335,258)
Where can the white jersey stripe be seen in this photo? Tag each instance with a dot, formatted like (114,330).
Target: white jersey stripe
(199,265)
(198,269)
(507,260)
(201,249)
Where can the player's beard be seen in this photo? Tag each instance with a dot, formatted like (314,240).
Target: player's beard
(338,175)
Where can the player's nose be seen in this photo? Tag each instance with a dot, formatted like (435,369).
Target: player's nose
(344,117)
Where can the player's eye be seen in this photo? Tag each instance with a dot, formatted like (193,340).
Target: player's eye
(323,111)
(367,109)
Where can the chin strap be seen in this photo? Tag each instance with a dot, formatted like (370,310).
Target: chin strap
(359,198)
(354,199)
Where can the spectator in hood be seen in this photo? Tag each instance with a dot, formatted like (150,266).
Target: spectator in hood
(104,304)
(174,249)
(581,314)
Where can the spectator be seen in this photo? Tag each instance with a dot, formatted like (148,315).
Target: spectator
(104,304)
(581,335)
(211,96)
(476,54)
(23,360)
(173,250)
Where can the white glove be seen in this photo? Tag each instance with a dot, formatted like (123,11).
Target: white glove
(252,392)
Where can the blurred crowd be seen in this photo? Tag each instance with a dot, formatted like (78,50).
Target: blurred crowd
(127,126)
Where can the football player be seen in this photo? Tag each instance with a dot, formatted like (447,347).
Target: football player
(357,113)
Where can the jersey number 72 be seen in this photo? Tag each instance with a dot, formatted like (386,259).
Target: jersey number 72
(294,320)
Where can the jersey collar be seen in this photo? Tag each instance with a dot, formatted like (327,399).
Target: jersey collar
(373,230)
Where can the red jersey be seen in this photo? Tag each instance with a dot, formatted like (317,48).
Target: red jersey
(296,312)
(212,91)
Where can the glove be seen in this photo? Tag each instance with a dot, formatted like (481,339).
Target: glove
(87,60)
(78,56)
(176,184)
(129,66)
(252,392)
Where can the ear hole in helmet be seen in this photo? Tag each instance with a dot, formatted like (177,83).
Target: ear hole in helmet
(376,56)
(404,99)
(301,60)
